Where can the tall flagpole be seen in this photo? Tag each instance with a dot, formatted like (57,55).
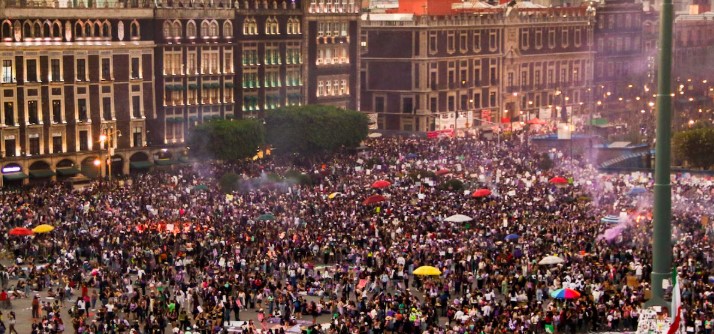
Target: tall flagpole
(662,236)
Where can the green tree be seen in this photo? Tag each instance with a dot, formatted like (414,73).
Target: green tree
(227,140)
(314,129)
(695,146)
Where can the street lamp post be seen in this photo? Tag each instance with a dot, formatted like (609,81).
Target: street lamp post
(662,243)
(107,136)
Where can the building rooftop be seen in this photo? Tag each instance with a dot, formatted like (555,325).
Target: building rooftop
(387,17)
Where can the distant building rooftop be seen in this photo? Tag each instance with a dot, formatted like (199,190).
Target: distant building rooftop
(387,17)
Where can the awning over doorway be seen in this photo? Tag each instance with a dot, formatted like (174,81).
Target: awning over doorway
(141,164)
(41,173)
(14,176)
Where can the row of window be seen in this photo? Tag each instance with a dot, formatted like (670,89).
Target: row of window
(332,54)
(333,6)
(460,75)
(612,70)
(619,44)
(568,73)
(332,29)
(32,114)
(209,29)
(29,30)
(272,79)
(176,95)
(272,55)
(620,21)
(55,72)
(210,61)
(464,36)
(252,103)
(272,26)
(58,143)
(564,38)
(332,86)
(466,102)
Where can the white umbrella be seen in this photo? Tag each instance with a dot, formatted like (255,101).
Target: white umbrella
(374,135)
(458,219)
(551,260)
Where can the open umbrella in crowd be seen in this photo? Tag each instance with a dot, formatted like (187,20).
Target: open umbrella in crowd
(396,251)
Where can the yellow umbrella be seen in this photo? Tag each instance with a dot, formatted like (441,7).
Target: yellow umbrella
(427,271)
(333,195)
(44,228)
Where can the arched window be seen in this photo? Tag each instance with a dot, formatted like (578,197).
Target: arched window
(191,29)
(79,29)
(248,26)
(107,30)
(135,32)
(227,29)
(7,30)
(98,29)
(204,29)
(57,29)
(47,29)
(27,30)
(37,29)
(268,26)
(167,29)
(177,29)
(88,29)
(289,29)
(213,30)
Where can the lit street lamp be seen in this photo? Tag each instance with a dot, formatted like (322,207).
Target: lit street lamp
(108,133)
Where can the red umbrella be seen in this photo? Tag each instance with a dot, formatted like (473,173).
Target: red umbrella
(558,180)
(20,231)
(381,184)
(481,193)
(442,171)
(374,199)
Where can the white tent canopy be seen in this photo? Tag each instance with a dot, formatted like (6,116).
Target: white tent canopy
(458,218)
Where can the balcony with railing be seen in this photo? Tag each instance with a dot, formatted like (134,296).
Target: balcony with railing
(67,9)
(79,4)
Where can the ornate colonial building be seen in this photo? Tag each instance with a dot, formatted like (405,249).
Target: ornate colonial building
(333,52)
(480,64)
(624,62)
(93,86)
(70,76)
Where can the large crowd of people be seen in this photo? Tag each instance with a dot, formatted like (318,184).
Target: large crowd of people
(169,251)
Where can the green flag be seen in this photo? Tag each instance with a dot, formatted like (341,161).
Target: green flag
(549,328)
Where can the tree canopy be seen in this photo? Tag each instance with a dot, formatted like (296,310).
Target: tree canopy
(695,146)
(227,139)
(314,129)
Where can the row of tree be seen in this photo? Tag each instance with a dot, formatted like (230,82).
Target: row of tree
(306,130)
